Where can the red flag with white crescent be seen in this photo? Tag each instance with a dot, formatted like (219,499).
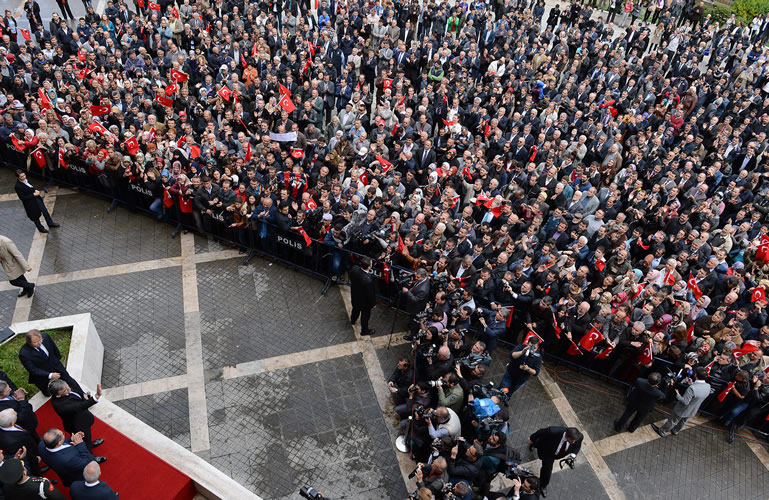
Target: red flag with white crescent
(690,334)
(726,392)
(179,76)
(168,201)
(100,110)
(307,239)
(132,145)
(646,356)
(62,161)
(311,205)
(97,127)
(590,339)
(172,89)
(531,334)
(26,34)
(39,157)
(287,104)
(606,352)
(691,284)
(758,294)
(574,349)
(386,165)
(154,6)
(164,101)
(248,152)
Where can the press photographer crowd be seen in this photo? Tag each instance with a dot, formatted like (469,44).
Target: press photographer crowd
(503,171)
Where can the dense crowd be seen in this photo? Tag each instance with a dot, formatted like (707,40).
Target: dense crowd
(602,186)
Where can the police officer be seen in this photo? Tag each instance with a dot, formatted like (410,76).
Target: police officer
(17,485)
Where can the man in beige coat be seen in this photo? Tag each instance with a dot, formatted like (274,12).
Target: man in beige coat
(15,265)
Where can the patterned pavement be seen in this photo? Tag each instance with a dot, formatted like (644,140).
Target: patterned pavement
(304,404)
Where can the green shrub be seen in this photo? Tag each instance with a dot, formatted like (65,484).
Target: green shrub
(746,10)
(719,13)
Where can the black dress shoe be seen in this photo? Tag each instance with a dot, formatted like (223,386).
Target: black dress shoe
(408,338)
(370,331)
(23,292)
(54,225)
(97,442)
(543,491)
(100,460)
(42,230)
(657,429)
(617,426)
(31,291)
(730,438)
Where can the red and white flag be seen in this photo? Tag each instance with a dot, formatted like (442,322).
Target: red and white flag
(590,339)
(154,6)
(248,152)
(646,356)
(726,392)
(311,205)
(39,157)
(606,352)
(100,110)
(574,349)
(386,165)
(556,328)
(758,294)
(132,145)
(745,349)
(690,334)
(164,101)
(691,284)
(98,127)
(287,104)
(531,334)
(307,239)
(172,89)
(179,76)
(25,33)
(62,161)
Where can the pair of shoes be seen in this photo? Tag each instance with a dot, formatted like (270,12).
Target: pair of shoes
(97,442)
(617,427)
(543,492)
(370,331)
(730,438)
(54,225)
(100,460)
(31,291)
(631,429)
(23,292)
(657,429)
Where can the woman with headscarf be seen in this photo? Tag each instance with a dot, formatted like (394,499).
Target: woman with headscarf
(699,307)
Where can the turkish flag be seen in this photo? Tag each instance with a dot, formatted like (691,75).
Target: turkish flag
(307,66)
(284,90)
(746,349)
(364,178)
(531,334)
(26,34)
(176,13)
(600,264)
(141,3)
(154,6)
(448,123)
(639,290)
(83,73)
(287,104)
(168,201)
(311,48)
(487,131)
(467,173)
(590,339)
(758,294)
(691,284)
(606,352)
(707,368)
(401,245)
(97,127)
(152,134)
(132,145)
(39,157)
(496,211)
(100,110)
(225,93)
(670,279)
(386,165)
(556,328)
(386,272)
(164,101)
(454,200)
(307,239)
(62,161)
(574,349)
(690,334)
(726,392)
(311,205)
(194,151)
(185,205)
(248,152)
(45,102)
(243,61)
(533,153)
(172,89)
(179,76)
(646,356)
(482,200)
(388,83)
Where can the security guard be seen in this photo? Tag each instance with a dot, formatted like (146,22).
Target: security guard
(17,485)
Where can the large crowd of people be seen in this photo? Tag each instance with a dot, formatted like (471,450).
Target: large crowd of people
(570,179)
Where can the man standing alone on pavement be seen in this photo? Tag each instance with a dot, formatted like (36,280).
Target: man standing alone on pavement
(687,405)
(363,294)
(33,203)
(15,265)
(554,443)
(643,394)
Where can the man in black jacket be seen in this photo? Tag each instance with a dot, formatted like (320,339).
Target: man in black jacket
(42,359)
(33,203)
(363,295)
(465,462)
(16,400)
(73,408)
(643,394)
(416,298)
(13,438)
(553,443)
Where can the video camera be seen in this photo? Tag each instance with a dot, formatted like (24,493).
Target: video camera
(310,493)
(424,413)
(515,471)
(424,314)
(568,460)
(474,359)
(488,425)
(488,390)
(439,282)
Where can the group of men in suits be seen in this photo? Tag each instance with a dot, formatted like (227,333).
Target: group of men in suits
(71,458)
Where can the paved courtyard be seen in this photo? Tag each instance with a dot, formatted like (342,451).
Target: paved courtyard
(256,372)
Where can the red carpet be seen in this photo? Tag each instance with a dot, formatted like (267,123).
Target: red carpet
(130,470)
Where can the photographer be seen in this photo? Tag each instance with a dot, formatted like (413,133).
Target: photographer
(523,489)
(450,393)
(434,476)
(493,321)
(416,298)
(400,381)
(418,395)
(447,423)
(525,361)
(465,462)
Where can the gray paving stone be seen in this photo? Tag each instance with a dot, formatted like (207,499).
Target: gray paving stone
(139,317)
(277,431)
(259,311)
(15,224)
(7,306)
(167,413)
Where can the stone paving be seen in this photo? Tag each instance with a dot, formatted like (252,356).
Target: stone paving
(252,369)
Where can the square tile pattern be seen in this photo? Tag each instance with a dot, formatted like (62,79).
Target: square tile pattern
(89,237)
(15,225)
(260,311)
(317,425)
(167,413)
(139,316)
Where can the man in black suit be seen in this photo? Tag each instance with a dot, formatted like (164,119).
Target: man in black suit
(424,157)
(416,298)
(42,359)
(553,443)
(91,488)
(15,400)
(73,408)
(363,295)
(13,439)
(67,457)
(33,203)
(643,394)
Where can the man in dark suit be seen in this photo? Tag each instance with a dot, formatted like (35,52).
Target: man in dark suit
(91,488)
(42,359)
(363,295)
(643,394)
(67,457)
(416,298)
(33,203)
(13,438)
(424,157)
(73,408)
(15,400)
(553,443)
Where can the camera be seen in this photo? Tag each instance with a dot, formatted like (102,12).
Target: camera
(424,314)
(474,359)
(515,471)
(436,383)
(424,413)
(403,280)
(414,472)
(310,493)
(488,390)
